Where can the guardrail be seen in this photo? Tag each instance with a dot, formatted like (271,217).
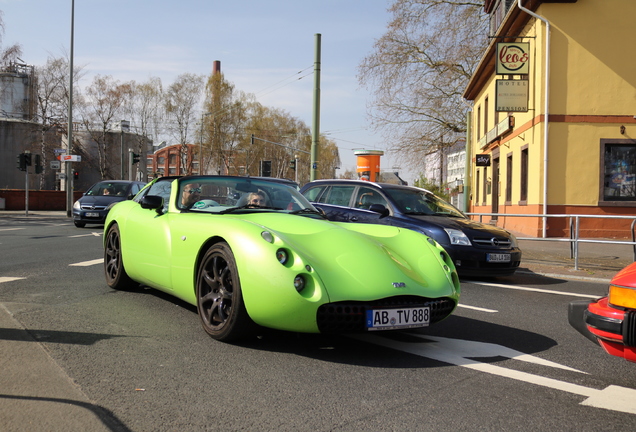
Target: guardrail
(575,223)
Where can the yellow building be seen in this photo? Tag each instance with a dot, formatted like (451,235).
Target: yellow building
(581,157)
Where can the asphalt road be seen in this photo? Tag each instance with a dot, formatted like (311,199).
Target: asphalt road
(139,361)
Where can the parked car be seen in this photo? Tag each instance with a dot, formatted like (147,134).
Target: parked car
(94,205)
(477,249)
(274,261)
(610,321)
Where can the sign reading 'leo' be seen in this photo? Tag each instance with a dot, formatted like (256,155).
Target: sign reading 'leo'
(513,58)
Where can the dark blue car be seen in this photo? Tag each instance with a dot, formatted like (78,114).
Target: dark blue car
(93,206)
(477,249)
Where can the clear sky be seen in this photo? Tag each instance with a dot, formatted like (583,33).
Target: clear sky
(262,46)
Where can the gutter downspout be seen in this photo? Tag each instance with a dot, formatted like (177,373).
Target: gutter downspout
(547,104)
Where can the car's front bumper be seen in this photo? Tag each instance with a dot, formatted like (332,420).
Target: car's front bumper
(613,329)
(474,263)
(90,216)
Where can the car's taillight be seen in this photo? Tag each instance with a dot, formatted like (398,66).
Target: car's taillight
(622,297)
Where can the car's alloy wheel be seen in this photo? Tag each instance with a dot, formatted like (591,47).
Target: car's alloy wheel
(219,297)
(116,276)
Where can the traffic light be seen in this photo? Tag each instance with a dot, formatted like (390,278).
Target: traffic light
(27,159)
(76,175)
(38,164)
(292,164)
(135,158)
(22,166)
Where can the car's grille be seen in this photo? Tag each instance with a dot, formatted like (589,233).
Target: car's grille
(350,316)
(629,329)
(92,207)
(492,242)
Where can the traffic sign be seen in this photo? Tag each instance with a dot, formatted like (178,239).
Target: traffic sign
(55,165)
(70,158)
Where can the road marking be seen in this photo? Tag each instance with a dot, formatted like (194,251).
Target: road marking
(477,308)
(520,288)
(94,234)
(87,263)
(461,353)
(10,229)
(9,279)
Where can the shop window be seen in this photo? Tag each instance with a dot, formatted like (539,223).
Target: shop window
(477,188)
(618,169)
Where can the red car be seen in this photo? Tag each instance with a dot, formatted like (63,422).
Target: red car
(610,321)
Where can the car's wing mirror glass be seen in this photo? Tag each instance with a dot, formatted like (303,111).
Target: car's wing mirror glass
(379,208)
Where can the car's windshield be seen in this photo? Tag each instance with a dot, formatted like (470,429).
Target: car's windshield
(218,194)
(421,202)
(108,188)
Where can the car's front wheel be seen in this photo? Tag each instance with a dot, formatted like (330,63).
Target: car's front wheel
(79,224)
(219,297)
(116,276)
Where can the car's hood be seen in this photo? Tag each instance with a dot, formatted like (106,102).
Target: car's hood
(100,200)
(464,225)
(363,258)
(626,277)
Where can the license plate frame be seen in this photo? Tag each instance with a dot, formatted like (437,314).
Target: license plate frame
(398,318)
(498,257)
(92,214)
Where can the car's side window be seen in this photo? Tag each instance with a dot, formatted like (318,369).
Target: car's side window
(367,196)
(338,195)
(162,189)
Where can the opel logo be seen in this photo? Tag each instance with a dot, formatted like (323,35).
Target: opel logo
(494,241)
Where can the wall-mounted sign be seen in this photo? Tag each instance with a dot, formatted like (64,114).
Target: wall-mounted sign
(513,58)
(482,160)
(70,158)
(511,95)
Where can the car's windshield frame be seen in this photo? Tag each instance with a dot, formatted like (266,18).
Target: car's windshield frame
(229,194)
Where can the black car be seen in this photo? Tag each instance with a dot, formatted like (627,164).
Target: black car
(477,249)
(93,206)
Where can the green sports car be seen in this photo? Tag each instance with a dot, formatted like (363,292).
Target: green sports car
(250,252)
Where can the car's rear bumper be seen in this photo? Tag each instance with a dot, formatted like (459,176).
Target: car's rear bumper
(614,329)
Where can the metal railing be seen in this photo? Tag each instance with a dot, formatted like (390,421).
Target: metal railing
(574,224)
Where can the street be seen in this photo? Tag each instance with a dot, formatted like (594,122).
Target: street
(507,359)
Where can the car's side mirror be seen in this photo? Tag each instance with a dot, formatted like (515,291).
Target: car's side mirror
(152,202)
(379,208)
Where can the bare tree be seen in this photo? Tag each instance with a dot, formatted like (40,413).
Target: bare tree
(181,99)
(52,103)
(418,71)
(8,54)
(104,100)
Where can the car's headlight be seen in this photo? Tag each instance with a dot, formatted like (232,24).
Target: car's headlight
(457,237)
(513,240)
(622,297)
(76,205)
(110,206)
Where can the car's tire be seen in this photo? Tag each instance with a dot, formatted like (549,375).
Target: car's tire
(116,276)
(79,224)
(219,296)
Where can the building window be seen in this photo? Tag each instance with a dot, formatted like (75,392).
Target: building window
(509,179)
(618,168)
(477,188)
(524,176)
(485,181)
(486,116)
(478,122)
(172,159)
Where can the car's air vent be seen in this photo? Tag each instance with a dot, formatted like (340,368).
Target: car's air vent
(495,242)
(93,207)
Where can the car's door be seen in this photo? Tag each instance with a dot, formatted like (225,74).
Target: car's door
(360,210)
(333,199)
(149,247)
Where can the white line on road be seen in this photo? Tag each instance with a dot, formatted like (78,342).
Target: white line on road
(87,263)
(461,353)
(94,234)
(10,229)
(9,279)
(520,288)
(477,308)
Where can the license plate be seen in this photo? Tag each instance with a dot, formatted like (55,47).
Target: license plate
(494,257)
(92,214)
(391,319)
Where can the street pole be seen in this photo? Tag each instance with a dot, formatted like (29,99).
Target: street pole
(69,134)
(315,132)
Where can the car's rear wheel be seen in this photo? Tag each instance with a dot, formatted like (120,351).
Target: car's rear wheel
(116,276)
(79,224)
(219,297)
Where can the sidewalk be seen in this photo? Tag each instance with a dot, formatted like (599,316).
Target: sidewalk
(37,395)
